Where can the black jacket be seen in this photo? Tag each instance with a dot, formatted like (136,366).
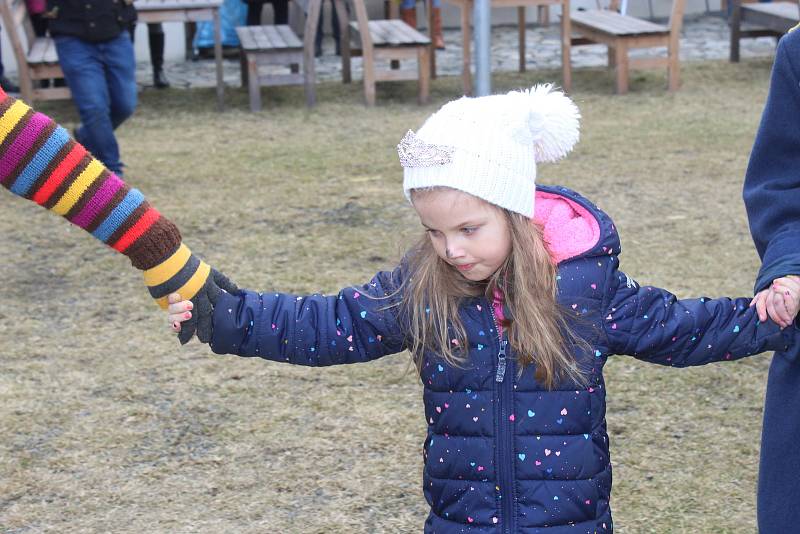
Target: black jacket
(91,20)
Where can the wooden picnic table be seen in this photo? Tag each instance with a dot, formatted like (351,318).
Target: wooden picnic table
(188,12)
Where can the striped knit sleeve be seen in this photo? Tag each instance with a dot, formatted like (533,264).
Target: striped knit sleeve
(40,161)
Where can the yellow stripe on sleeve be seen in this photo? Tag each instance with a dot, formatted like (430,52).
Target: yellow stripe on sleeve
(11,118)
(190,288)
(78,187)
(167,268)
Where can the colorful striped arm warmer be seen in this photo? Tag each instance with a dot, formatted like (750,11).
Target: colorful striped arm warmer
(41,162)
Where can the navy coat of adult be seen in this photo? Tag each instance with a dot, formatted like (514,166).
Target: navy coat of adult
(772,197)
(502,453)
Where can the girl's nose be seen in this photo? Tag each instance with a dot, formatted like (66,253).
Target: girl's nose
(453,252)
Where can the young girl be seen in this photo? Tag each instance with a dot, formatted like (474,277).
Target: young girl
(510,304)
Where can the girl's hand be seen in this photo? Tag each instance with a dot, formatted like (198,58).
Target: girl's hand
(179,311)
(780,302)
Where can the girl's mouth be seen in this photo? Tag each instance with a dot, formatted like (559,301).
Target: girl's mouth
(465,267)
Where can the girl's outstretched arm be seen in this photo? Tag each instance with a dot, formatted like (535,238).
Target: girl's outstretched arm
(652,324)
(41,162)
(356,325)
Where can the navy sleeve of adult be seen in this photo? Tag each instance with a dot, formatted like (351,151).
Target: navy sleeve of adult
(356,325)
(652,324)
(772,183)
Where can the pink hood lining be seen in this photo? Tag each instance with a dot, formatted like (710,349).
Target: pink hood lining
(569,228)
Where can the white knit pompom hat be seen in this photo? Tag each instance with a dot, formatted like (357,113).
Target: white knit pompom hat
(489,146)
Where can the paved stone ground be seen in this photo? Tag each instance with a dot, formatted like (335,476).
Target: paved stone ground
(704,37)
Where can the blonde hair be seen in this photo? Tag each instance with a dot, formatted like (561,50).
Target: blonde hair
(539,334)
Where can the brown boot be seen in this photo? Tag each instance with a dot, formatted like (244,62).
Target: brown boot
(436,34)
(409,16)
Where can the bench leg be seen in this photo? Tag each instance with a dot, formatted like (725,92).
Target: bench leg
(673,69)
(344,38)
(424,69)
(368,62)
(466,43)
(254,88)
(736,29)
(26,85)
(621,68)
(309,72)
(243,67)
(566,48)
(430,34)
(521,31)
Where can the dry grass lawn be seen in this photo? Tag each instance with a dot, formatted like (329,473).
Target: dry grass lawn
(107,425)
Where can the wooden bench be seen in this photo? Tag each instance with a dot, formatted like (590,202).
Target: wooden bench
(391,40)
(36,56)
(278,45)
(621,33)
(767,19)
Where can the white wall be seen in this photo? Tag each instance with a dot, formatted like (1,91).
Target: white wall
(175,36)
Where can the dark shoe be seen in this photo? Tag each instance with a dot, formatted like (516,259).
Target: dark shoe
(8,86)
(318,51)
(160,80)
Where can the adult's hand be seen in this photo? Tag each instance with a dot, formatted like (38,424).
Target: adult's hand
(194,316)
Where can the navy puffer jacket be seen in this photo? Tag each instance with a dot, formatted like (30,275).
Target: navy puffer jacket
(503,454)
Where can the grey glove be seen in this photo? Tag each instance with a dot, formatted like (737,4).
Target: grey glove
(203,307)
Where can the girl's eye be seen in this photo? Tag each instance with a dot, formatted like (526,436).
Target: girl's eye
(433,233)
(469,229)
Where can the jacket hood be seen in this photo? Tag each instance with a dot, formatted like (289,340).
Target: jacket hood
(573,226)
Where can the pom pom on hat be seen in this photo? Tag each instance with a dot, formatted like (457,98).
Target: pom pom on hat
(551,123)
(489,146)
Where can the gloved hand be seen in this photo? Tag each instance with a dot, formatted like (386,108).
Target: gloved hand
(200,308)
(194,280)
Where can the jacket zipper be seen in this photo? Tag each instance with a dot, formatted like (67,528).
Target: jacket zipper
(504,429)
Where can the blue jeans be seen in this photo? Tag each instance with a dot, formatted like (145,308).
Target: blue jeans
(102,78)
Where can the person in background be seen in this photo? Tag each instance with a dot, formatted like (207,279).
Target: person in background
(280,8)
(36,10)
(337,33)
(155,41)
(408,14)
(95,51)
(6,84)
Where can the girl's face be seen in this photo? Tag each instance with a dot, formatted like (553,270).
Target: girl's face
(468,233)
